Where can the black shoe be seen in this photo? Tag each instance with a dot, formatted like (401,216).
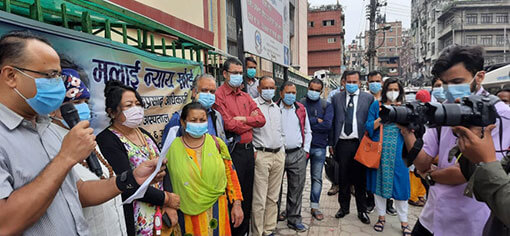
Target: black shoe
(282,216)
(389,208)
(340,213)
(364,217)
(370,209)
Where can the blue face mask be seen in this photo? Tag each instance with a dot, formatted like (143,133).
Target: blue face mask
(454,91)
(267,94)
(351,88)
(50,94)
(206,99)
(374,87)
(235,80)
(313,95)
(438,93)
(251,72)
(83,111)
(289,98)
(196,130)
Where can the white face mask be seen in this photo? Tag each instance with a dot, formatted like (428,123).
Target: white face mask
(392,95)
(134,117)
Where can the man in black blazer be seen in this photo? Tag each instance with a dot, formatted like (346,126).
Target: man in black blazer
(350,114)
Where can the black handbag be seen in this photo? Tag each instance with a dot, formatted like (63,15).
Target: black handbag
(332,168)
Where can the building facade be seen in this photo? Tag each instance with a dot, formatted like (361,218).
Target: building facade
(355,57)
(388,43)
(325,38)
(437,24)
(483,23)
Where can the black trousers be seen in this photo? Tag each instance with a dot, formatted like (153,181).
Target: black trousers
(244,163)
(351,173)
(419,230)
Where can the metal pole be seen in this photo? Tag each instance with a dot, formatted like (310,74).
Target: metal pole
(506,41)
(240,43)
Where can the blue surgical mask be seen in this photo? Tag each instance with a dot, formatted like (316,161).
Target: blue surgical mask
(251,72)
(289,98)
(267,94)
(235,80)
(313,95)
(438,93)
(454,91)
(83,111)
(374,87)
(206,99)
(50,94)
(351,88)
(196,130)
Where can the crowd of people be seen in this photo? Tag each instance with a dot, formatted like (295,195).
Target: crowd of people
(227,152)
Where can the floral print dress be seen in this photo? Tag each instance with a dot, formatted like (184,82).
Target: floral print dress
(143,212)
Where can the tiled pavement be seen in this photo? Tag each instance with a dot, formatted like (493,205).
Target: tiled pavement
(349,225)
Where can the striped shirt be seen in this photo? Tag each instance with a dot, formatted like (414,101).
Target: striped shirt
(25,151)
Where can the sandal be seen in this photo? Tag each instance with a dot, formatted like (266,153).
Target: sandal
(317,214)
(406,230)
(379,226)
(416,203)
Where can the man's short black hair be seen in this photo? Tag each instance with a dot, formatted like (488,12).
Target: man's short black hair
(229,61)
(503,90)
(374,73)
(250,59)
(264,78)
(350,72)
(286,84)
(470,56)
(13,43)
(316,81)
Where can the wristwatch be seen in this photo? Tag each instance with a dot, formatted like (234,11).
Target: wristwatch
(429,179)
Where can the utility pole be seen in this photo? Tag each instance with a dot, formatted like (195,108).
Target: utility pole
(371,53)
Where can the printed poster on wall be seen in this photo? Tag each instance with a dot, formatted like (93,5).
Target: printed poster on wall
(266,29)
(163,82)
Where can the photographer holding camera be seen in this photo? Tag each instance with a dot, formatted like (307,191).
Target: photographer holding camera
(448,211)
(490,182)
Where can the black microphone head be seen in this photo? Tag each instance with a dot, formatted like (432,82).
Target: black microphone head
(70,114)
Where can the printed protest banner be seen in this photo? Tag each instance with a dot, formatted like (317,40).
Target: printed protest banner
(163,82)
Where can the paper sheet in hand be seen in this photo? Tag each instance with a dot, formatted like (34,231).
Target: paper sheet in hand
(145,185)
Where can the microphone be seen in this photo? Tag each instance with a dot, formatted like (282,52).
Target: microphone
(70,115)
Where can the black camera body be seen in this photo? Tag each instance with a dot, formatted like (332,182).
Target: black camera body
(475,110)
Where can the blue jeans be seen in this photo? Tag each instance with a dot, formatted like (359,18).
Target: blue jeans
(317,159)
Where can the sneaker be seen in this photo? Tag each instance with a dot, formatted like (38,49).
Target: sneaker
(389,208)
(370,209)
(298,227)
(333,190)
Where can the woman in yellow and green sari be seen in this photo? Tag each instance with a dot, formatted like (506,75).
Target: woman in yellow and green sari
(203,175)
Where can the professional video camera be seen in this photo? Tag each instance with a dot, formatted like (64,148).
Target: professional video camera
(475,110)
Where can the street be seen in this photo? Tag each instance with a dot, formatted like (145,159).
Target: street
(349,225)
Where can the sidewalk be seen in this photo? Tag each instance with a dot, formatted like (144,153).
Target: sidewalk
(349,225)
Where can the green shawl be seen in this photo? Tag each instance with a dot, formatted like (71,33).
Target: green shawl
(198,190)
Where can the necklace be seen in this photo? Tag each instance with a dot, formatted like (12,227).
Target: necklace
(186,143)
(129,139)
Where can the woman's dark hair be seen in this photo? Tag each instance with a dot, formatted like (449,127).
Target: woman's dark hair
(385,86)
(113,92)
(191,106)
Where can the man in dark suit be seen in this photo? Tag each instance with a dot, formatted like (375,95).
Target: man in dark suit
(350,114)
